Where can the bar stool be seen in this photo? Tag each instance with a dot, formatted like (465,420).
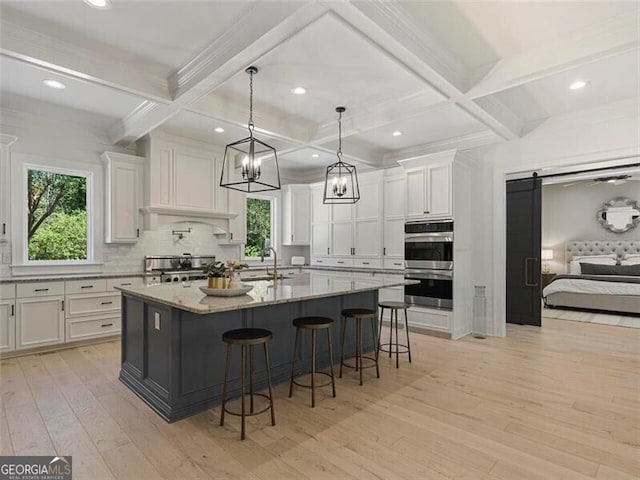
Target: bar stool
(359,315)
(313,324)
(246,337)
(394,307)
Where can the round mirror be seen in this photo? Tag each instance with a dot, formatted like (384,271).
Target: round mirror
(619,215)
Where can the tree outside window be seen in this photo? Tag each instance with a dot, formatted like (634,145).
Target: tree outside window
(259,233)
(56,216)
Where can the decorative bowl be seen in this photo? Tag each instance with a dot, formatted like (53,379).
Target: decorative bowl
(226,292)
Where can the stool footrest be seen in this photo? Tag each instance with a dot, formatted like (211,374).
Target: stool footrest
(364,357)
(239,414)
(317,384)
(406,349)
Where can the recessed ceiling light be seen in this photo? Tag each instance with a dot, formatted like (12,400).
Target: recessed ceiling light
(55,84)
(315,155)
(218,129)
(578,84)
(397,133)
(299,90)
(99,4)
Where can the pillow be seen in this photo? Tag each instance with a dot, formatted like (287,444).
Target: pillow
(574,266)
(596,269)
(631,260)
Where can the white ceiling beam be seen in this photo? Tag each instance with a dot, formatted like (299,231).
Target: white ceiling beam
(80,63)
(262,28)
(611,37)
(389,26)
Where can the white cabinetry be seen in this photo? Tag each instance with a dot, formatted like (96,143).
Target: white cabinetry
(7,317)
(296,208)
(429,192)
(320,214)
(123,197)
(430,319)
(238,223)
(5,185)
(393,236)
(39,314)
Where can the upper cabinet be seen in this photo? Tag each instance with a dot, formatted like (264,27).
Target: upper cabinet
(123,197)
(393,237)
(5,191)
(429,189)
(296,209)
(238,222)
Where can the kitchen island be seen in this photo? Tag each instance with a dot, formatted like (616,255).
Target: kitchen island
(172,353)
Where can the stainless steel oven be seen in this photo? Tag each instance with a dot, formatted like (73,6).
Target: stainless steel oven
(428,251)
(428,245)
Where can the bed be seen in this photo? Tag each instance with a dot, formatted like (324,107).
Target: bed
(603,292)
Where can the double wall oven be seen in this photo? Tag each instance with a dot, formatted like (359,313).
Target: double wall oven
(428,254)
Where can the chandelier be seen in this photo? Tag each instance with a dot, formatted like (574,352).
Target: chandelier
(341,180)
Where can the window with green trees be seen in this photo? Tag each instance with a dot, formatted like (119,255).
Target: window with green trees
(259,227)
(56,216)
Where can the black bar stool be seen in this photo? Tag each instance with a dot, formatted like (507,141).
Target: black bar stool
(247,337)
(394,307)
(313,324)
(359,315)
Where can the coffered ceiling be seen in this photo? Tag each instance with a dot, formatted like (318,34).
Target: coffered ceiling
(446,75)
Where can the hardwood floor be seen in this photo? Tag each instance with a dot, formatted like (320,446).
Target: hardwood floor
(560,402)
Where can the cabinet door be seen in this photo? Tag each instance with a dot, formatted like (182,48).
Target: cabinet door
(394,199)
(320,239)
(394,237)
(220,193)
(416,197)
(439,191)
(300,220)
(368,238)
(341,238)
(342,212)
(193,176)
(161,181)
(124,199)
(238,224)
(39,321)
(7,325)
(319,211)
(369,206)
(4,193)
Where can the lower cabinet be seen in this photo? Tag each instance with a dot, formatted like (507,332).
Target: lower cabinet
(39,321)
(7,325)
(92,327)
(430,318)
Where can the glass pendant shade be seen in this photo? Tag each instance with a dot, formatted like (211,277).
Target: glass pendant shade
(250,165)
(341,180)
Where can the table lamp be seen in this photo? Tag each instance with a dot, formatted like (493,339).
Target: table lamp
(546,254)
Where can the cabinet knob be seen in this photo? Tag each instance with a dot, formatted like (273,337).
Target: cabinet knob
(137,233)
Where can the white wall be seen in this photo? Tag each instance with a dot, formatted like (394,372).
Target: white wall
(569,213)
(581,139)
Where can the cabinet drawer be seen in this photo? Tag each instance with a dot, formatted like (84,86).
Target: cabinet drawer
(7,291)
(78,305)
(434,319)
(394,264)
(93,327)
(367,263)
(346,262)
(85,286)
(124,282)
(320,261)
(39,289)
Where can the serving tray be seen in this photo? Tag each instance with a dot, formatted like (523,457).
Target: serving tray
(226,292)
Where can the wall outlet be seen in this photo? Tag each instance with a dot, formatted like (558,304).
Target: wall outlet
(156,318)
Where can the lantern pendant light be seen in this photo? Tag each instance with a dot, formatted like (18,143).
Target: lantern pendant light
(341,180)
(250,165)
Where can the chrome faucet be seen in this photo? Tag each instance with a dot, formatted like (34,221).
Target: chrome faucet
(274,274)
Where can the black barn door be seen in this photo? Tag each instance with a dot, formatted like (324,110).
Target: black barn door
(524,212)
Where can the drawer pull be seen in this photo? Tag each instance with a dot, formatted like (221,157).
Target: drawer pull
(365,263)
(106,303)
(125,284)
(340,262)
(107,325)
(86,286)
(41,290)
(398,264)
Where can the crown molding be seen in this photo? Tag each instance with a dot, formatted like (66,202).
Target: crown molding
(7,140)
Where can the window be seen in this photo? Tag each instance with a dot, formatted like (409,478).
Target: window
(57,215)
(259,226)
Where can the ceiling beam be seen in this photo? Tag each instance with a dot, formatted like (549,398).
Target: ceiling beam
(74,61)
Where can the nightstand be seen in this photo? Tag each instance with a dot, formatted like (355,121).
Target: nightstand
(545,278)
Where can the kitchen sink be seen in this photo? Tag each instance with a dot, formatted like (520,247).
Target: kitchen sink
(261,277)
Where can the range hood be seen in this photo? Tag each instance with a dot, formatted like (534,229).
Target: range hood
(155,217)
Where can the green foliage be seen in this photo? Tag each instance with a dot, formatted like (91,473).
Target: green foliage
(215,269)
(62,237)
(258,227)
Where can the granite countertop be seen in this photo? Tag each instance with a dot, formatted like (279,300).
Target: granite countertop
(303,286)
(69,276)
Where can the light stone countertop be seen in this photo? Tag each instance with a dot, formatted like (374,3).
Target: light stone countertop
(303,286)
(69,276)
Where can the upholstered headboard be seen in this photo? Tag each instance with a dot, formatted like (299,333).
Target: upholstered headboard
(602,247)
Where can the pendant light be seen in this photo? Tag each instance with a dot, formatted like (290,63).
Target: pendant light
(341,181)
(250,165)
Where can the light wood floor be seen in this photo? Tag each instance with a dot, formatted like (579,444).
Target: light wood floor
(561,402)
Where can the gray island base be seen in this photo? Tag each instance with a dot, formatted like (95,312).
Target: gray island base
(172,354)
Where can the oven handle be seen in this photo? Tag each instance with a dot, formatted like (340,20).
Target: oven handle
(428,237)
(422,275)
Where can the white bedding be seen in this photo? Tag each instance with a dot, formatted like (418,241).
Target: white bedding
(579,285)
